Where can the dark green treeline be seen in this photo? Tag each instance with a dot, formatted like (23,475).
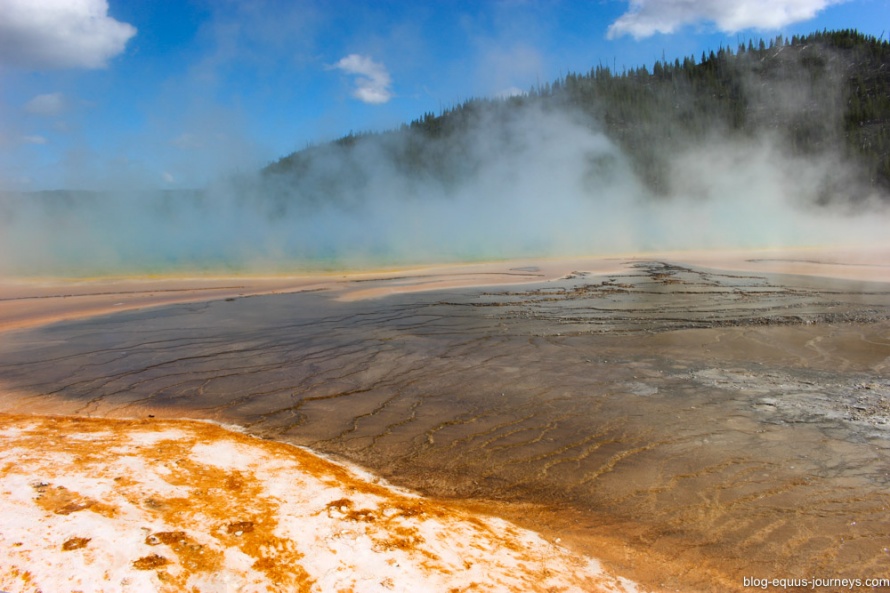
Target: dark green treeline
(826,91)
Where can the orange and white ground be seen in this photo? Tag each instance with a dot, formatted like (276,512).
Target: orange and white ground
(106,505)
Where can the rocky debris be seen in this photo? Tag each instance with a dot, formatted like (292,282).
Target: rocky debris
(811,396)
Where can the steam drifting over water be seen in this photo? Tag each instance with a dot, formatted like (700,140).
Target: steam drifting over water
(529,181)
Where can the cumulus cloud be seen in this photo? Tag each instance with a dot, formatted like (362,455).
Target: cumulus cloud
(50,104)
(648,17)
(372,80)
(50,34)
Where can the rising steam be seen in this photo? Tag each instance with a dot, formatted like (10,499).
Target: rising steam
(530,180)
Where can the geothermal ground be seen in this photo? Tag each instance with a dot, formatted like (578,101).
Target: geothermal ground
(115,505)
(689,420)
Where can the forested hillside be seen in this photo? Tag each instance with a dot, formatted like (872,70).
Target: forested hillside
(823,93)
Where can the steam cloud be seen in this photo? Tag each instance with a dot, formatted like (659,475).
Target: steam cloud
(528,181)
(49,104)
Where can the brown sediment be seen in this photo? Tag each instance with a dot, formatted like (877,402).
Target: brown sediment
(26,302)
(75,543)
(31,302)
(61,501)
(690,421)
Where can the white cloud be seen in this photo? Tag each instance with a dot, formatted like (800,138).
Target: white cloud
(50,104)
(372,81)
(49,34)
(34,139)
(648,17)
(168,177)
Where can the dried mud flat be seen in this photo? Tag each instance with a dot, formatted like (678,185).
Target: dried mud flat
(688,426)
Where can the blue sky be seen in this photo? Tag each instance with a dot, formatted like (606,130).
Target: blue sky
(171,93)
